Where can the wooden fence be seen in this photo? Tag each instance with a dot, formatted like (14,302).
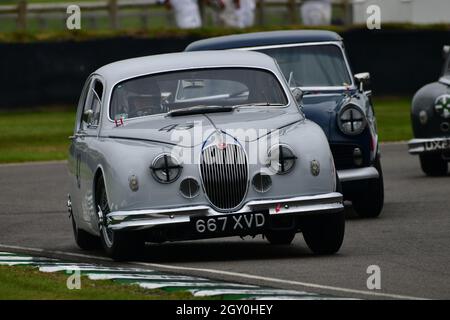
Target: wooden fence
(114,9)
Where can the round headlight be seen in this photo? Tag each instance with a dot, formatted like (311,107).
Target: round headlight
(351,120)
(442,106)
(281,159)
(165,168)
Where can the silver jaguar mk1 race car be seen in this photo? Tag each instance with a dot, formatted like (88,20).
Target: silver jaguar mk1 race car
(198,145)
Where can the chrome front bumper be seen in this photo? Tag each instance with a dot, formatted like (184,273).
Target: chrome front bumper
(358,174)
(418,146)
(145,219)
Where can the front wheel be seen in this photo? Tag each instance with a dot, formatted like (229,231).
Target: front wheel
(433,165)
(117,245)
(368,203)
(324,234)
(83,239)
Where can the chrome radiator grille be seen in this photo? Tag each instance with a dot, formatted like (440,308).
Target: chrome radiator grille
(224,175)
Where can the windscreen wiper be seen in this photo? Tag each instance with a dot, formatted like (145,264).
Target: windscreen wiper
(263,104)
(199,110)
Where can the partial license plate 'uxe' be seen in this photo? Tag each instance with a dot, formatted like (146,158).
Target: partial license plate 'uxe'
(229,223)
(437,145)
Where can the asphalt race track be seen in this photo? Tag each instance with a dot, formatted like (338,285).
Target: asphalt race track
(410,241)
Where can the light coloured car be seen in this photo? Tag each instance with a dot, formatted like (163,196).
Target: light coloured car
(199,145)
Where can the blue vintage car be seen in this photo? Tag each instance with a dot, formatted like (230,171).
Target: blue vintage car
(331,96)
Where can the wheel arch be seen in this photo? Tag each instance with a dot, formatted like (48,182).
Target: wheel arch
(99,174)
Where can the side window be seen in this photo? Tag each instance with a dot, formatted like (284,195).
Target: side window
(82,102)
(91,111)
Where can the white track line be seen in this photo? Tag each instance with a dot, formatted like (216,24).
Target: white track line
(283,281)
(131,276)
(68,254)
(32,163)
(229,273)
(255,292)
(156,285)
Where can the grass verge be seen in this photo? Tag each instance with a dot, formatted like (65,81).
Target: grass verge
(35,135)
(393,118)
(27,283)
(43,135)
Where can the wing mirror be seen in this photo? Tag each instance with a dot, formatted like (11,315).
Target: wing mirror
(446,51)
(297,93)
(362,79)
(88,115)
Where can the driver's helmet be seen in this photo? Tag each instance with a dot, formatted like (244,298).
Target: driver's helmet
(143,97)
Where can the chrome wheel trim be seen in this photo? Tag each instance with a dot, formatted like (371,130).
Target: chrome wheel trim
(103,207)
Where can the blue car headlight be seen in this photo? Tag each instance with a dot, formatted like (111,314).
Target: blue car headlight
(351,120)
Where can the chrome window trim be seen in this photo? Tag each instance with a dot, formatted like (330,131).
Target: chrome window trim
(289,45)
(92,79)
(282,83)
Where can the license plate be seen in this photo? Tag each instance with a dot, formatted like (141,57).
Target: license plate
(437,145)
(233,223)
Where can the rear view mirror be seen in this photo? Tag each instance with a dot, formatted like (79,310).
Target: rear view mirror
(297,93)
(87,116)
(193,83)
(362,79)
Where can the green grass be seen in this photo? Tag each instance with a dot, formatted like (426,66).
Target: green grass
(35,136)
(43,135)
(393,118)
(27,283)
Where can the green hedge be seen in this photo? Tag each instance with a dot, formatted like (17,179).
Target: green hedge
(81,35)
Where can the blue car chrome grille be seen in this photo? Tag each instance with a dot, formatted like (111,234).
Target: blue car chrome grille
(224,173)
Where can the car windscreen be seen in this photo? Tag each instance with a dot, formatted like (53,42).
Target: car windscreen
(175,90)
(312,66)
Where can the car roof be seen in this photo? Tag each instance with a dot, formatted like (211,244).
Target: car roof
(130,68)
(258,39)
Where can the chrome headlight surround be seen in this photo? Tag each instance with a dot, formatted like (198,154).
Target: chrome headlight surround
(165,168)
(351,120)
(281,158)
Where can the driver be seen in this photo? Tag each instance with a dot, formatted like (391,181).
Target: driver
(144,98)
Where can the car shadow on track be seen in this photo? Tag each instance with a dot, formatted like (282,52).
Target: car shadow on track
(223,250)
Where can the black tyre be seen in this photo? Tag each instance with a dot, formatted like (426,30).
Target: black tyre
(368,203)
(280,237)
(117,245)
(324,234)
(83,239)
(433,165)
